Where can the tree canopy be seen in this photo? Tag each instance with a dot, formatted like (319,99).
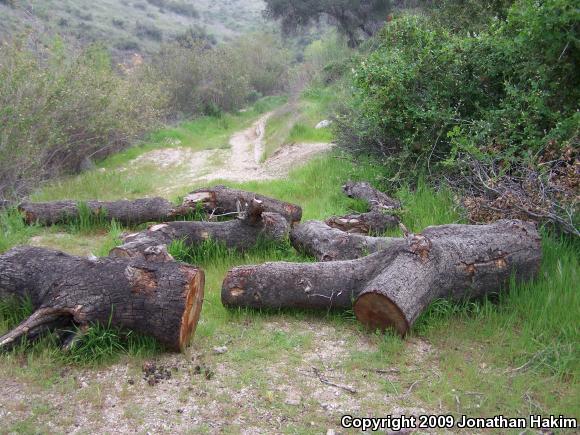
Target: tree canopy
(354,18)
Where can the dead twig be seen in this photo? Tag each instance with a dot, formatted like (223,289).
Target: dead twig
(327,382)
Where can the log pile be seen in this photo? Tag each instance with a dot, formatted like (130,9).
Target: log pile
(393,286)
(387,281)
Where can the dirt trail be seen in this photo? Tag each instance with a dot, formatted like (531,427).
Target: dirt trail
(242,162)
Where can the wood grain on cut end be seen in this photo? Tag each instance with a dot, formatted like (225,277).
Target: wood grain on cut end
(377,311)
(194,294)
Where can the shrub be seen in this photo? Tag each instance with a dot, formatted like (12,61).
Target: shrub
(148,30)
(506,100)
(58,108)
(199,78)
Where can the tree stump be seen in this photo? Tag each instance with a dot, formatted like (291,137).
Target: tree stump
(162,299)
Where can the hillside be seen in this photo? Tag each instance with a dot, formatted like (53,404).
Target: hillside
(129,26)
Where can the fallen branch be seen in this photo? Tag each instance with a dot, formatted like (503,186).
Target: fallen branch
(162,299)
(393,286)
(222,199)
(331,244)
(325,381)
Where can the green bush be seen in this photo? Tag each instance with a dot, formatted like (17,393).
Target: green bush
(506,99)
(203,79)
(59,108)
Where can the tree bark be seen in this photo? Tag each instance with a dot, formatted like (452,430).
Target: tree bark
(393,286)
(127,212)
(223,200)
(162,299)
(372,222)
(330,244)
(375,221)
(375,198)
(239,234)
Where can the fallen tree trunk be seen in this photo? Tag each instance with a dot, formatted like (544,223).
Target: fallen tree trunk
(393,286)
(127,212)
(376,220)
(240,234)
(223,200)
(330,244)
(161,299)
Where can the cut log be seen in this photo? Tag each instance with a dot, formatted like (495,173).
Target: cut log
(366,192)
(376,220)
(223,200)
(240,234)
(161,299)
(330,244)
(393,286)
(372,222)
(127,212)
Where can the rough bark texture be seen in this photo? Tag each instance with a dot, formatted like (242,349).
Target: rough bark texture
(223,200)
(372,222)
(127,212)
(240,234)
(326,285)
(393,286)
(330,244)
(375,198)
(453,262)
(162,299)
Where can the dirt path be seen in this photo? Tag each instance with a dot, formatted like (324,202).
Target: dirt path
(240,163)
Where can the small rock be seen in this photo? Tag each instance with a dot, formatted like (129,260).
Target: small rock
(323,124)
(293,399)
(220,350)
(84,384)
(292,402)
(330,432)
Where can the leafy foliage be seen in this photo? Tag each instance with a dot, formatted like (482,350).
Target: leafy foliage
(202,79)
(507,98)
(353,18)
(59,108)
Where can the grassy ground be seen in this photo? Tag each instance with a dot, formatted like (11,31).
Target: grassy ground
(516,356)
